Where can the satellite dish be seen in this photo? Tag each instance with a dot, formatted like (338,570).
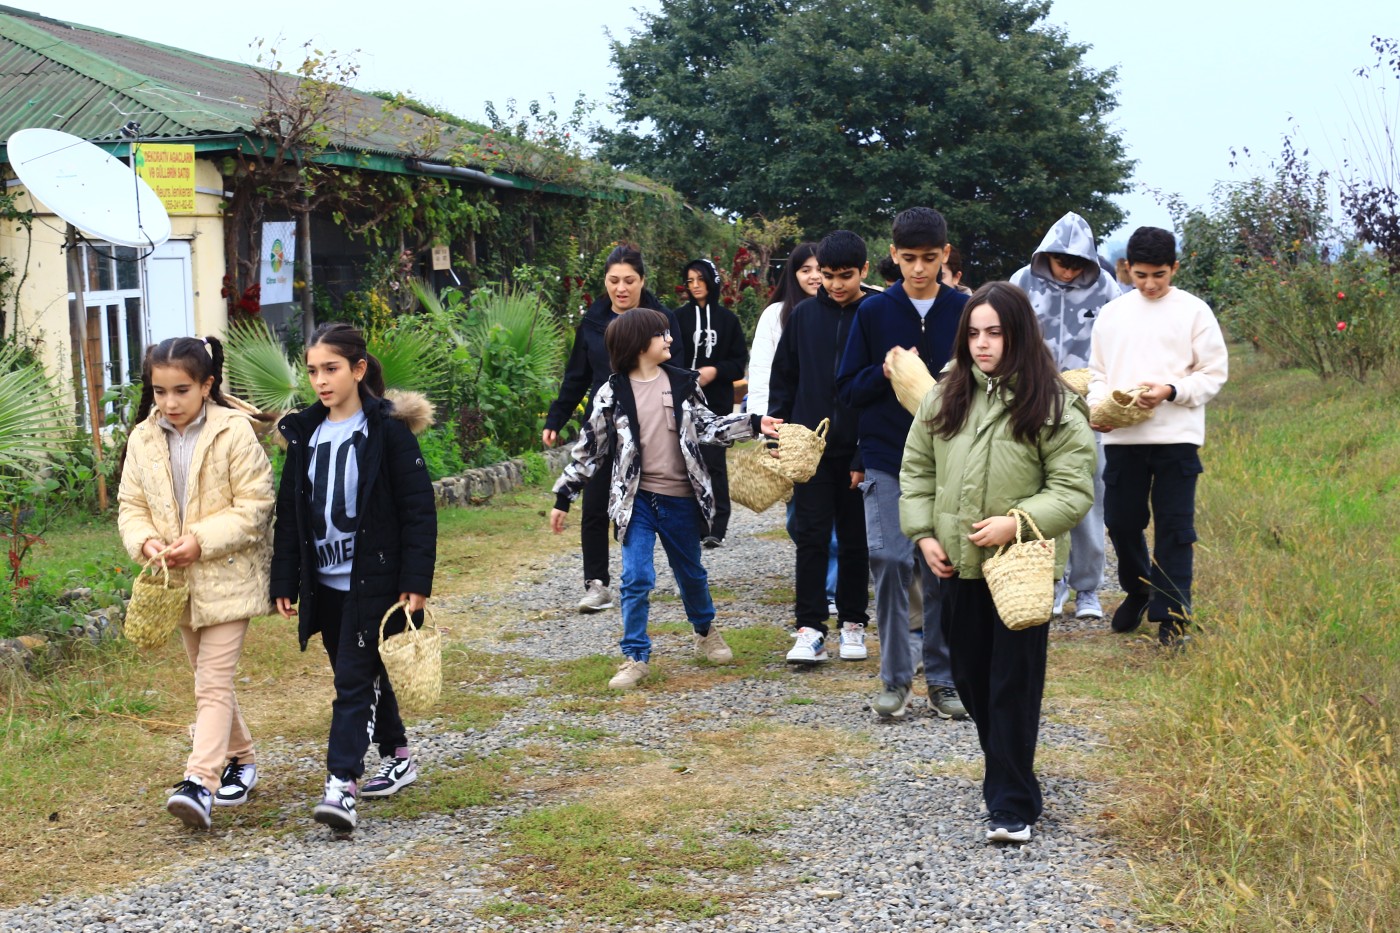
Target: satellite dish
(89,188)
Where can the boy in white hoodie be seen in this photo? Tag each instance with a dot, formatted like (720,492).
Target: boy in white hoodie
(1167,341)
(1068,289)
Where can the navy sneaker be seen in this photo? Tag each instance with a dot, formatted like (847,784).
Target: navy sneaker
(237,782)
(190,802)
(337,806)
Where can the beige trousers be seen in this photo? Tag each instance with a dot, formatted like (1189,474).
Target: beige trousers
(219,730)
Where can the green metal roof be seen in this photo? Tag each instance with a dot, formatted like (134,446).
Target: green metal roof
(89,82)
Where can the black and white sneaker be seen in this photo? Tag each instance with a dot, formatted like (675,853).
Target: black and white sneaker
(235,785)
(190,802)
(1007,827)
(394,774)
(337,806)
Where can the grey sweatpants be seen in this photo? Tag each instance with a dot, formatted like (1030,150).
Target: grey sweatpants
(893,562)
(1084,574)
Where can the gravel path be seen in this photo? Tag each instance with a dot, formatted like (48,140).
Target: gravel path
(904,848)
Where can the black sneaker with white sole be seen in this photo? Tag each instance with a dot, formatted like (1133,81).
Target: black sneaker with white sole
(393,776)
(237,782)
(190,802)
(337,806)
(1007,827)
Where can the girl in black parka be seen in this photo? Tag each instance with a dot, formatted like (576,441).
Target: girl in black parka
(624,278)
(356,532)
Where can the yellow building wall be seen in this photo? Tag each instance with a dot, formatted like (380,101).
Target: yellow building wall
(41,312)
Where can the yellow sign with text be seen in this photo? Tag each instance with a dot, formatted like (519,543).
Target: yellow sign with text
(169,170)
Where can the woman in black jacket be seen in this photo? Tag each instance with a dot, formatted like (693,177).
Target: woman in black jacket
(711,342)
(624,278)
(356,532)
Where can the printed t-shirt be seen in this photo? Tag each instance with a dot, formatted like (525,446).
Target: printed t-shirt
(333,470)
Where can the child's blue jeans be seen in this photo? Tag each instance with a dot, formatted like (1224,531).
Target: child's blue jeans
(679,524)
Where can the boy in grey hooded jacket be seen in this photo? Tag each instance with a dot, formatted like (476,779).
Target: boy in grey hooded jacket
(1067,288)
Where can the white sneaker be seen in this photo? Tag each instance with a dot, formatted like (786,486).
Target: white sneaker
(596,597)
(1086,605)
(630,674)
(1061,595)
(337,806)
(236,784)
(853,642)
(393,776)
(810,647)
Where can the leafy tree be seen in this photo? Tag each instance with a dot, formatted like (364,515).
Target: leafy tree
(841,112)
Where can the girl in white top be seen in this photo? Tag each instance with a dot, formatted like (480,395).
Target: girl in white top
(800,281)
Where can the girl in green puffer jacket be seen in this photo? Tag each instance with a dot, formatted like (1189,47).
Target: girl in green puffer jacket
(1001,431)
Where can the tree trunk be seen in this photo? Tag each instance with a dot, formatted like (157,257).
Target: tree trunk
(308,300)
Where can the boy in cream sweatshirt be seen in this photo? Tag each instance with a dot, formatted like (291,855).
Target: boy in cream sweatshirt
(1169,342)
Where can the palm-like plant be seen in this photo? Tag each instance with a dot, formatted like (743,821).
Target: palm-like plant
(259,370)
(33,416)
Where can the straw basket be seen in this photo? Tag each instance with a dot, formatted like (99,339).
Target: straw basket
(800,449)
(910,378)
(1077,379)
(1021,577)
(1120,409)
(413,660)
(754,480)
(156,606)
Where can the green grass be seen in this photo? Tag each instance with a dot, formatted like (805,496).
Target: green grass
(472,782)
(1264,758)
(566,732)
(608,862)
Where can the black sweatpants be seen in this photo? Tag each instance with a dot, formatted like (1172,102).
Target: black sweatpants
(593,526)
(1000,677)
(824,501)
(1164,477)
(365,708)
(718,467)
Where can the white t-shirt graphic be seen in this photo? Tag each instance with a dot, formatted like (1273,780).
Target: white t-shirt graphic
(333,469)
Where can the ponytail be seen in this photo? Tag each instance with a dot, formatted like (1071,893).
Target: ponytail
(347,341)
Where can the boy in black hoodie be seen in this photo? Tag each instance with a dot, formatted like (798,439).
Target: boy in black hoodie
(711,342)
(803,389)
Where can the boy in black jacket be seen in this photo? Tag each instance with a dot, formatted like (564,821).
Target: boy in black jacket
(711,342)
(803,389)
(920,314)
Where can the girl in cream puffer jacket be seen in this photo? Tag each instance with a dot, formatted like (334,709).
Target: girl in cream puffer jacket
(196,492)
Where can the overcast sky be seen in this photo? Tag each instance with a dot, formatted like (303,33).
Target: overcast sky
(1195,77)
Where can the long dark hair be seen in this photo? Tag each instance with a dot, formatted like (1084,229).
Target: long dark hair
(788,291)
(710,274)
(200,359)
(1031,386)
(347,341)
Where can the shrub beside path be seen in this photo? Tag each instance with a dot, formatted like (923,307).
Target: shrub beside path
(751,798)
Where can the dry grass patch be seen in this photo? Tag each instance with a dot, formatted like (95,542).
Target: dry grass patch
(638,843)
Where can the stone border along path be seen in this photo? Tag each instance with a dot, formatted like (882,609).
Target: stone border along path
(905,848)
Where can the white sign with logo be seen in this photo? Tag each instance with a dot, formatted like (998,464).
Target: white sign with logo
(278,262)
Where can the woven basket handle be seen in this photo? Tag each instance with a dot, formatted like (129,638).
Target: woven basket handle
(1019,514)
(821,428)
(415,630)
(159,556)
